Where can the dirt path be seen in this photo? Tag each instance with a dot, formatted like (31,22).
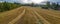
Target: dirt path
(17,18)
(32,15)
(40,17)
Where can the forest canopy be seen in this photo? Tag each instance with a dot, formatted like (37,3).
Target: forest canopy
(5,6)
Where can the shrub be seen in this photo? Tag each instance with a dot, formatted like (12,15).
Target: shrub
(5,6)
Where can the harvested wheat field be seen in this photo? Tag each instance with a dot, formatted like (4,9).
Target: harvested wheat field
(30,15)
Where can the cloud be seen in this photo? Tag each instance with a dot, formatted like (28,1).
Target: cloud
(21,1)
(30,1)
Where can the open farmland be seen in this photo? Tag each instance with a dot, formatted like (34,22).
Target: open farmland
(30,15)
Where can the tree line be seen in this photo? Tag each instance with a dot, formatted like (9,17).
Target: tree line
(54,6)
(48,5)
(5,6)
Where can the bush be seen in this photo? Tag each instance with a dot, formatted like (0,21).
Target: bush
(5,6)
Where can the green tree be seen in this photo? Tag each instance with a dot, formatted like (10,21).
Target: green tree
(48,4)
(32,4)
(55,6)
(5,6)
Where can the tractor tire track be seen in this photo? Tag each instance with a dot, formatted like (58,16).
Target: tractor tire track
(17,18)
(40,17)
(50,18)
(31,15)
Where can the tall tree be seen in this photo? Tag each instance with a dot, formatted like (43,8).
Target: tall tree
(32,4)
(48,4)
(55,6)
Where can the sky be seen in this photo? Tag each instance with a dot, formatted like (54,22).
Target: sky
(54,0)
(29,1)
(24,1)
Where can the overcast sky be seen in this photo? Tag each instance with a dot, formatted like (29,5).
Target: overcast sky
(23,1)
